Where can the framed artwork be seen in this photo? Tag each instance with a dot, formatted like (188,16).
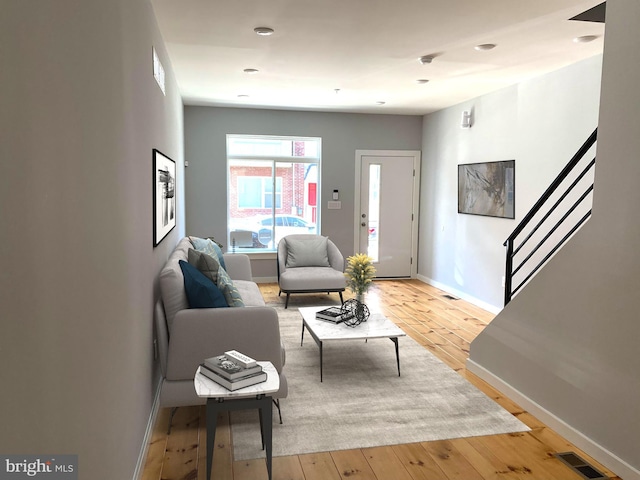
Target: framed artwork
(487,189)
(164,196)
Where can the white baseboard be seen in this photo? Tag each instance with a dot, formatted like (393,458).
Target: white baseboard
(144,449)
(464,296)
(598,452)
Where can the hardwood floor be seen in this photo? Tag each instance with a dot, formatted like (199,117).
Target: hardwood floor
(445,326)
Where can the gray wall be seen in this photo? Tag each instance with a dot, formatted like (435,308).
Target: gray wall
(540,123)
(342,134)
(569,341)
(79,114)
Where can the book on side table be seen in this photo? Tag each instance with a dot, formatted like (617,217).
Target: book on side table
(227,371)
(240,358)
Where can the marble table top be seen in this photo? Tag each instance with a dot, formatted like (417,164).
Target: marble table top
(207,388)
(376,326)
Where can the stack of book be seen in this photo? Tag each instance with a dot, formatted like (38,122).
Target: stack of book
(333,315)
(233,370)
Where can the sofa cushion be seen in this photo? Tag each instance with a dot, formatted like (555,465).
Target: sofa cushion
(311,278)
(207,264)
(311,252)
(201,291)
(208,246)
(229,290)
(250,293)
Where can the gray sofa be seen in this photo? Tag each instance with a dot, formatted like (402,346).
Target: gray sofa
(309,263)
(187,336)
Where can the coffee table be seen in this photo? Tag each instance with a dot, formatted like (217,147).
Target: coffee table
(219,399)
(376,326)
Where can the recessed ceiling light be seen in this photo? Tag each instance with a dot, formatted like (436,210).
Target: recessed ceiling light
(380,103)
(250,71)
(422,81)
(485,46)
(426,59)
(243,96)
(265,31)
(585,38)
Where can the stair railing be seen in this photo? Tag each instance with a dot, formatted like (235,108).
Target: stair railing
(545,208)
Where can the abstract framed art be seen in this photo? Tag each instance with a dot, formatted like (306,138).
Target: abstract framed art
(164,196)
(487,189)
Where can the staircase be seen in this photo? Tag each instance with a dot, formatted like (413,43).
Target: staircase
(556,216)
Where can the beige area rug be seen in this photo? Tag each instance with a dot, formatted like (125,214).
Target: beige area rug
(362,402)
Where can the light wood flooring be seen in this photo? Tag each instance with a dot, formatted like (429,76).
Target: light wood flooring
(444,326)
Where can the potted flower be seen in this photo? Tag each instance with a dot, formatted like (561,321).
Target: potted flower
(360,272)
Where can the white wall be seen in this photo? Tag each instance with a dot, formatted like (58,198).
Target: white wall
(567,345)
(342,134)
(79,116)
(540,123)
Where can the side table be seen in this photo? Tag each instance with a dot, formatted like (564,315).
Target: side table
(219,399)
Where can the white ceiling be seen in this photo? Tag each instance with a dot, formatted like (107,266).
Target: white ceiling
(368,49)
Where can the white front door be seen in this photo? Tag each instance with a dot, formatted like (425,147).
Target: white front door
(387,210)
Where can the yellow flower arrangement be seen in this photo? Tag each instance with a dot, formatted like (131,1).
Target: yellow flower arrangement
(359,272)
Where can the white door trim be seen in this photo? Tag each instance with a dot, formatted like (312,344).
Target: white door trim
(416,198)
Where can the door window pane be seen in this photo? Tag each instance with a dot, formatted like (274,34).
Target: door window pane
(374,212)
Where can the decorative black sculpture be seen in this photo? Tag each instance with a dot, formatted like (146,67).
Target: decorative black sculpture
(354,312)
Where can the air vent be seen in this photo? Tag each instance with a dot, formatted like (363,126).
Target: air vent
(450,297)
(578,465)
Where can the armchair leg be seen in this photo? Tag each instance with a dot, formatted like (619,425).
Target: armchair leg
(286,302)
(341,299)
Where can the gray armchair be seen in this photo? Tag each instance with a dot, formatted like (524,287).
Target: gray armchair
(309,264)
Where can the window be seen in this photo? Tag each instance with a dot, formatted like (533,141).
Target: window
(273,190)
(257,192)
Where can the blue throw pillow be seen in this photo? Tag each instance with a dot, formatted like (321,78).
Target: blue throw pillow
(201,291)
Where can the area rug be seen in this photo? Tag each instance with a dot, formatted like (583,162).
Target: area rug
(362,402)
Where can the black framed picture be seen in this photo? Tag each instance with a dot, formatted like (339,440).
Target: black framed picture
(164,196)
(487,189)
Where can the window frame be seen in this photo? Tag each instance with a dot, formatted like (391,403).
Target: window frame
(273,161)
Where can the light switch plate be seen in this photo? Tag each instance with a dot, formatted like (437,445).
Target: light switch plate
(331,205)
